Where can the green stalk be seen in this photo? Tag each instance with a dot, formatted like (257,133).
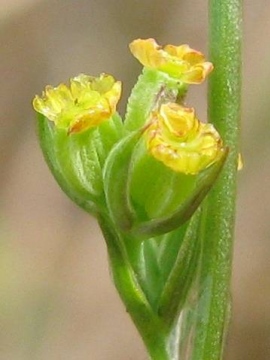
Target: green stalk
(152,330)
(217,223)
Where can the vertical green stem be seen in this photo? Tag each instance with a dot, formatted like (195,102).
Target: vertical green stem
(217,224)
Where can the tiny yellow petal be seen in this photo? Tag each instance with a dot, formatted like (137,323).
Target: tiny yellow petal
(86,103)
(180,62)
(178,139)
(193,57)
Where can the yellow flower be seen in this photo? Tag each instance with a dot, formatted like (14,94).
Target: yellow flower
(180,62)
(86,103)
(178,139)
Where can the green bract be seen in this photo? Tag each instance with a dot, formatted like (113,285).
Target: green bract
(76,161)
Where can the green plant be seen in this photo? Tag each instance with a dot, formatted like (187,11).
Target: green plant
(146,180)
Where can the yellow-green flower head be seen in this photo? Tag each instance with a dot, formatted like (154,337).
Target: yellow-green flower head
(178,139)
(86,103)
(180,62)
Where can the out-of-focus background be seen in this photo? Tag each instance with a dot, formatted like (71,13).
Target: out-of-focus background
(56,296)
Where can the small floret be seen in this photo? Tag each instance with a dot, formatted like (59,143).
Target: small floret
(178,139)
(180,62)
(86,103)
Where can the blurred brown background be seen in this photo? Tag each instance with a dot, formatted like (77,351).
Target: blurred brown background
(56,297)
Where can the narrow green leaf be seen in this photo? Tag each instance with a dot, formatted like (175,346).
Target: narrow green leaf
(115,176)
(149,270)
(182,273)
(169,248)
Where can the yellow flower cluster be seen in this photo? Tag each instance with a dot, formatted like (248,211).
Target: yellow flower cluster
(86,103)
(174,135)
(178,139)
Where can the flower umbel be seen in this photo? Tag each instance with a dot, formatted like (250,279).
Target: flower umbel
(86,103)
(178,139)
(180,62)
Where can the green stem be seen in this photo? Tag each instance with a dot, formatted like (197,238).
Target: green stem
(218,218)
(149,325)
(143,99)
(151,90)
